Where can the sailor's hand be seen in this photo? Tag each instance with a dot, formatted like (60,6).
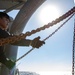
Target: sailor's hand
(36,43)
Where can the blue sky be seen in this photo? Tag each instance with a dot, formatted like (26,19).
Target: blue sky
(55,57)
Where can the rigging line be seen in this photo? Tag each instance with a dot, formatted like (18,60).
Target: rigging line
(46,38)
(73,51)
(22,36)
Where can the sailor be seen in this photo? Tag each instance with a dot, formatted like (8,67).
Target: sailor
(4,22)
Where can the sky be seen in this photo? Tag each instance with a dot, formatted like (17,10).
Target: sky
(55,56)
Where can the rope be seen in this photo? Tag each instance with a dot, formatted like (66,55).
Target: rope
(22,36)
(46,38)
(73,51)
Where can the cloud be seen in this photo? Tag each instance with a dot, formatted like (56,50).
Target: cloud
(44,67)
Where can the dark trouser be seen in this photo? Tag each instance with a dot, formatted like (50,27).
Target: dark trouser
(7,62)
(2,56)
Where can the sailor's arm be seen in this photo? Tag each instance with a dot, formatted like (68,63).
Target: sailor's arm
(23,42)
(36,43)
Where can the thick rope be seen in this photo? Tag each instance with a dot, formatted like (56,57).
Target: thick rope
(46,38)
(22,36)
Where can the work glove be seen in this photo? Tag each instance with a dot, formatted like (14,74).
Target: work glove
(36,43)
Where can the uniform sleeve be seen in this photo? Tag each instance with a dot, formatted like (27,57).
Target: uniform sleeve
(23,42)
